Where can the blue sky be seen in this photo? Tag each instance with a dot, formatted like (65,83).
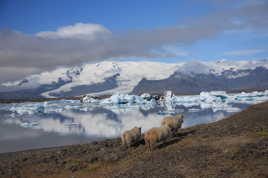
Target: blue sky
(32,16)
(38,35)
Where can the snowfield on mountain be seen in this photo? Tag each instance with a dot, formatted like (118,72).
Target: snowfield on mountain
(109,77)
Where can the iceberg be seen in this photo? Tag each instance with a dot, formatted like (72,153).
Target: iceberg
(187,101)
(226,109)
(168,95)
(88,99)
(194,110)
(170,112)
(125,99)
(29,124)
(251,98)
(146,96)
(28,108)
(40,109)
(121,103)
(213,96)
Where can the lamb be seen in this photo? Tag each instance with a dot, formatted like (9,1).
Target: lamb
(173,122)
(157,134)
(131,137)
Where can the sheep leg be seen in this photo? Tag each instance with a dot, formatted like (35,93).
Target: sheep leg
(128,145)
(123,140)
(174,132)
(148,145)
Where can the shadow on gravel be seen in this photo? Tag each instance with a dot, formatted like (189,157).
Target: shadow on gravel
(170,142)
(184,134)
(176,138)
(141,142)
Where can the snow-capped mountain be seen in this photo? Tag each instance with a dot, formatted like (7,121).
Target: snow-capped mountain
(136,77)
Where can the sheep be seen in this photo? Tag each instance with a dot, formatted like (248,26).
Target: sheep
(131,137)
(156,134)
(173,122)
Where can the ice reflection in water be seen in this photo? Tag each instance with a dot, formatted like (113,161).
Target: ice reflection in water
(66,118)
(54,123)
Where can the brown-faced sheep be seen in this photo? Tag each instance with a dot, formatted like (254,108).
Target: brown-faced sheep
(173,122)
(157,134)
(131,137)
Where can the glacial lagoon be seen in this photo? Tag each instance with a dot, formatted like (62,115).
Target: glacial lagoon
(29,125)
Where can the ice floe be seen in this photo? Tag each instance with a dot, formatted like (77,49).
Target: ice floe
(215,100)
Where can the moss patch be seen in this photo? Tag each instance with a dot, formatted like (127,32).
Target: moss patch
(262,133)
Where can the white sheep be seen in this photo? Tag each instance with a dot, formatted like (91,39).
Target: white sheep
(131,137)
(156,134)
(173,122)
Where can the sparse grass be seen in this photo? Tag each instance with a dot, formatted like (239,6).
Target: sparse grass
(71,163)
(262,133)
(94,167)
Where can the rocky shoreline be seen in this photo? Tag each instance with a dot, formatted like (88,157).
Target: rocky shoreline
(233,147)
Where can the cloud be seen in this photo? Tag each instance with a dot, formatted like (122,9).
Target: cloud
(79,43)
(9,73)
(77,31)
(245,52)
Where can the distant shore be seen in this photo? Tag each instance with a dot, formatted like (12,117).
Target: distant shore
(233,147)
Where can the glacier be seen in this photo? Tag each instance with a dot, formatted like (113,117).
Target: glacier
(94,73)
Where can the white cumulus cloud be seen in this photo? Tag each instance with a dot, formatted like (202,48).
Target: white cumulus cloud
(77,31)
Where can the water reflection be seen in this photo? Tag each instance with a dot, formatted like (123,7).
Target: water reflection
(54,123)
(102,122)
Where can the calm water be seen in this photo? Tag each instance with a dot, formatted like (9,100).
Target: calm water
(55,123)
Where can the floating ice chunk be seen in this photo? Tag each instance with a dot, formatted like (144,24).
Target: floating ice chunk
(227,109)
(123,99)
(265,92)
(213,97)
(232,109)
(146,96)
(169,106)
(20,109)
(28,108)
(40,109)
(218,92)
(73,124)
(187,101)
(119,99)
(171,112)
(168,94)
(92,100)
(67,107)
(146,107)
(194,110)
(250,98)
(29,124)
(205,105)
(89,99)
